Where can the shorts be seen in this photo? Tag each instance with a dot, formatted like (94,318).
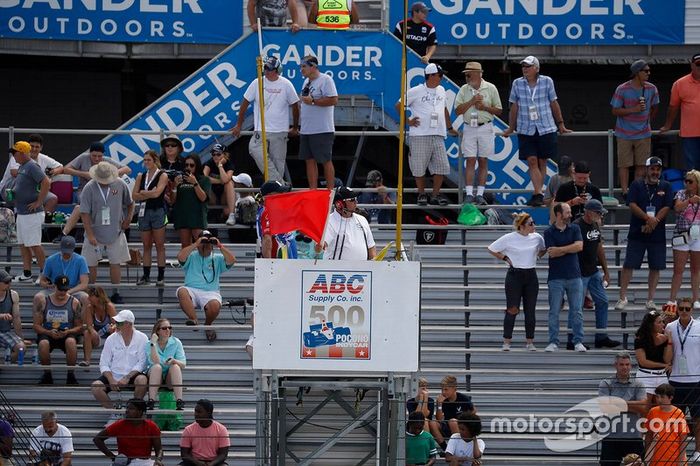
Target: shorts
(117,252)
(428,153)
(692,246)
(634,255)
(153,219)
(479,141)
(200,298)
(129,386)
(651,378)
(54,343)
(316,146)
(29,229)
(445,429)
(631,152)
(542,146)
(686,396)
(9,339)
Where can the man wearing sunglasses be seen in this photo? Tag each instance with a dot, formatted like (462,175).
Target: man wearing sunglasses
(683,351)
(635,104)
(684,97)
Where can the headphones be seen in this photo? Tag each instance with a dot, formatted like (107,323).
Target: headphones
(273,63)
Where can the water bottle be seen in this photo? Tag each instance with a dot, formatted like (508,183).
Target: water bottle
(35,356)
(8,356)
(20,357)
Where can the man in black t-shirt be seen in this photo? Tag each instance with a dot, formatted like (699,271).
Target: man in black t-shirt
(593,280)
(449,404)
(219,169)
(579,190)
(420,34)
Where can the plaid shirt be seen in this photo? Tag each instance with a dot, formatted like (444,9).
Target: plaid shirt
(541,97)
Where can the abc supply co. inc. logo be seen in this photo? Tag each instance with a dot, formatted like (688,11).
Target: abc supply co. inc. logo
(585,424)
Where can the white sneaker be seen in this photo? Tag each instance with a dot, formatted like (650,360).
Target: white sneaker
(22,278)
(621,303)
(231,220)
(531,347)
(580,348)
(696,457)
(38,281)
(505,347)
(114,417)
(552,347)
(650,305)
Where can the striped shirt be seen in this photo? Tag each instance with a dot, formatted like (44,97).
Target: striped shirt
(634,125)
(541,96)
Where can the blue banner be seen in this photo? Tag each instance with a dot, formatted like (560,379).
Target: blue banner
(361,63)
(554,22)
(180,21)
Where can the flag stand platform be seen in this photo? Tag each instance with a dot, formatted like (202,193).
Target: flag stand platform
(384,419)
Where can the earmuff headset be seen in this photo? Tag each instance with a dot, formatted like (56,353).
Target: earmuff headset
(273,63)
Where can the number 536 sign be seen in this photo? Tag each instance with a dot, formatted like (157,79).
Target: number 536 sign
(336,315)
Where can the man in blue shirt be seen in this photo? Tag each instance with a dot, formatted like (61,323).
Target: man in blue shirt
(203,268)
(72,265)
(564,241)
(650,200)
(535,113)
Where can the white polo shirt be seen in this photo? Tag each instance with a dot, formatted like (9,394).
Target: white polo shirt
(347,238)
(120,359)
(690,350)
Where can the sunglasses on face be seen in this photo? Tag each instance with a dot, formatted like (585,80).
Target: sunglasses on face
(529,223)
(684,308)
(171,145)
(190,165)
(166,328)
(646,70)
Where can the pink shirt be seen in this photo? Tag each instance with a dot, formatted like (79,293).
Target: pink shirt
(686,94)
(205,442)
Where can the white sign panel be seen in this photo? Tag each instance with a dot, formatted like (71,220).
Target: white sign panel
(337,315)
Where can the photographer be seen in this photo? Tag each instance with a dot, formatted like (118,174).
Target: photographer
(189,200)
(203,268)
(579,190)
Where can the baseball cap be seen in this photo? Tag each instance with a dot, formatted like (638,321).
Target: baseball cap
(695,57)
(594,205)
(420,6)
(530,60)
(97,146)
(373,177)
(125,316)
(564,163)
(310,61)
(433,68)
(21,146)
(62,283)
(637,66)
(5,277)
(343,194)
(581,167)
(67,244)
(244,179)
(271,187)
(654,161)
(218,149)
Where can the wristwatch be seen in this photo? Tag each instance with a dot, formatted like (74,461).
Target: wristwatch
(313,101)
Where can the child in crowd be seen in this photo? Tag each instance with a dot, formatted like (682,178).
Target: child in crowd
(666,431)
(421,448)
(465,448)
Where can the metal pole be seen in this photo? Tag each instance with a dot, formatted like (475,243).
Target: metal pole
(261,103)
(460,171)
(402,134)
(611,178)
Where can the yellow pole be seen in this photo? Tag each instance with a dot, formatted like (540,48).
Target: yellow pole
(261,110)
(402,137)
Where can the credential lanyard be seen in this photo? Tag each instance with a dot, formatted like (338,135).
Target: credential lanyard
(685,335)
(104,194)
(533,90)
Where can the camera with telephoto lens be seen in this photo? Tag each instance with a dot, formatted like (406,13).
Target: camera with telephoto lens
(172,174)
(48,171)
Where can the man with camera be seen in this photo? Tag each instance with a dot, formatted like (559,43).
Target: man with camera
(579,190)
(203,269)
(348,236)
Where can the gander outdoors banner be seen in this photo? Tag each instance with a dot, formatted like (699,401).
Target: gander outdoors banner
(174,21)
(554,22)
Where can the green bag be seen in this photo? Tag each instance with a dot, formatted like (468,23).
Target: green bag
(470,215)
(166,400)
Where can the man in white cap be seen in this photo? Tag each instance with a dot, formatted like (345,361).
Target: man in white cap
(106,208)
(122,362)
(428,120)
(246,205)
(280,97)
(479,103)
(535,113)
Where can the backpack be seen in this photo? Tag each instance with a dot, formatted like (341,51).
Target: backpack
(432,236)
(247,211)
(8,227)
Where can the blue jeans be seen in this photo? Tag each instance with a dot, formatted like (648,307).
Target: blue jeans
(691,152)
(574,294)
(594,284)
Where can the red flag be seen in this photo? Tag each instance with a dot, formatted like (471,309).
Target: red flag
(306,211)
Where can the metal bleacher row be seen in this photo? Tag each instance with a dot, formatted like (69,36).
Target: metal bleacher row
(461,326)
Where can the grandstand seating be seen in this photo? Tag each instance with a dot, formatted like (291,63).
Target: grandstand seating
(461,323)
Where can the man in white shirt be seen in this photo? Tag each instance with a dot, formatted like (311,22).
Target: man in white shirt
(318,100)
(122,362)
(683,350)
(428,122)
(280,96)
(347,236)
(51,443)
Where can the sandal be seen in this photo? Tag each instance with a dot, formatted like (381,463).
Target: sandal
(211,335)
(191,323)
(84,364)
